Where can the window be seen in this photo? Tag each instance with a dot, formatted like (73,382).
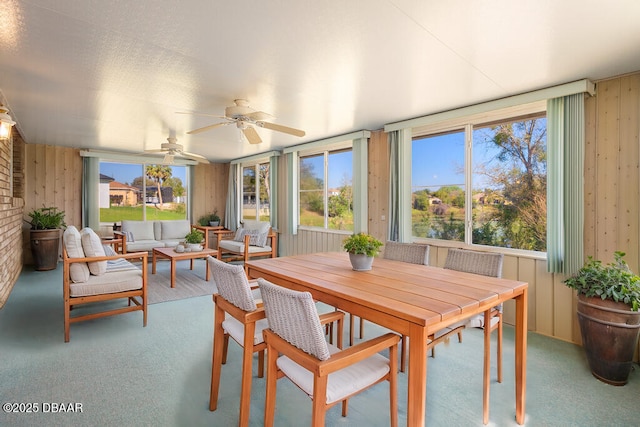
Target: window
(325,190)
(482,183)
(136,191)
(256,192)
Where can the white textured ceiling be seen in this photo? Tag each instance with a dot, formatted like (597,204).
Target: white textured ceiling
(111,74)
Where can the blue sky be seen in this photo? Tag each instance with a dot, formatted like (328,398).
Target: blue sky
(126,173)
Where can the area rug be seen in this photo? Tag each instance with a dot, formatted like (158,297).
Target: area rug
(189,283)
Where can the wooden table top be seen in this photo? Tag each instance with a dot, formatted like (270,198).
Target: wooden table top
(424,295)
(171,253)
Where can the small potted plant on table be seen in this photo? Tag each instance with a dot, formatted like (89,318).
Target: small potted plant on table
(194,239)
(362,247)
(608,303)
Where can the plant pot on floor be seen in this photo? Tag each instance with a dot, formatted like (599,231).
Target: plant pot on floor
(44,249)
(360,262)
(609,336)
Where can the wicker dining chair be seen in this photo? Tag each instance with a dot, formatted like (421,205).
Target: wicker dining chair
(486,264)
(245,322)
(325,373)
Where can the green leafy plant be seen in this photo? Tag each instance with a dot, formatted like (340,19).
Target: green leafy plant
(47,218)
(194,236)
(362,243)
(206,219)
(614,281)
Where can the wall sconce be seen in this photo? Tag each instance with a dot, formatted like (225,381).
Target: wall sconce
(6,123)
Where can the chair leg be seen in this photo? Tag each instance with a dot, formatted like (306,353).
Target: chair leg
(217,359)
(487,366)
(261,364)
(393,386)
(247,374)
(270,394)
(403,353)
(499,345)
(319,402)
(351,323)
(361,328)
(225,347)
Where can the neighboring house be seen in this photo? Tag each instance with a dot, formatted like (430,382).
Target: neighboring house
(104,191)
(122,194)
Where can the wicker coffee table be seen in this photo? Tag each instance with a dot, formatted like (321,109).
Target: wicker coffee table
(173,256)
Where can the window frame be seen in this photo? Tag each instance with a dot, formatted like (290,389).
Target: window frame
(325,151)
(468,124)
(255,165)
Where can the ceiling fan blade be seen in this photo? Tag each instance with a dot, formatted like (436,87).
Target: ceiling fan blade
(251,135)
(196,157)
(206,128)
(281,128)
(156,150)
(259,115)
(201,114)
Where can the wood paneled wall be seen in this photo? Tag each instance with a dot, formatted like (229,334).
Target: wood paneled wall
(210,189)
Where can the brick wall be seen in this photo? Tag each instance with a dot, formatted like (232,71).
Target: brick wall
(11,211)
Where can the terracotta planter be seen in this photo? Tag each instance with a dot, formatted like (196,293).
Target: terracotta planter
(360,262)
(44,249)
(609,336)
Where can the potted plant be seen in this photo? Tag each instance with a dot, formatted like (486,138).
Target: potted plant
(193,239)
(212,220)
(46,224)
(608,304)
(362,247)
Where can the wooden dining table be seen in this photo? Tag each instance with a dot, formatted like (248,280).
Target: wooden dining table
(410,299)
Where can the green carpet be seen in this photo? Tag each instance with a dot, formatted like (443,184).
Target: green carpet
(124,374)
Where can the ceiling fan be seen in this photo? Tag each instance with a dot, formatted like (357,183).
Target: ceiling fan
(245,119)
(172,149)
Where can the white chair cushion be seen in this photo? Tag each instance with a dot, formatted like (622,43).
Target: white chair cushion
(92,246)
(78,271)
(232,245)
(236,330)
(142,230)
(341,383)
(144,245)
(175,229)
(117,281)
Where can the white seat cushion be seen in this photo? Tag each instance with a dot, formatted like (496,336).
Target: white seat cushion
(79,271)
(144,245)
(92,246)
(341,383)
(113,282)
(232,245)
(236,329)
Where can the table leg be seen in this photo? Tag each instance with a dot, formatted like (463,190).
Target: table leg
(173,273)
(153,263)
(417,376)
(191,268)
(521,356)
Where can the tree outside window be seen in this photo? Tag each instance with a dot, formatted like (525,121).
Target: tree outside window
(326,192)
(256,192)
(135,191)
(507,171)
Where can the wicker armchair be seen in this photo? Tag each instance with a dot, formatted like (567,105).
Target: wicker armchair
(486,264)
(245,322)
(328,376)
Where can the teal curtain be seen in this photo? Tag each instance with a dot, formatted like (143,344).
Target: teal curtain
(273,186)
(231,210)
(565,184)
(360,185)
(394,186)
(292,192)
(91,193)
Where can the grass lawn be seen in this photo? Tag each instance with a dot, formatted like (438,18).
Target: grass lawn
(117,213)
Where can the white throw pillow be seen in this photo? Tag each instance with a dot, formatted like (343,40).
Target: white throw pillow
(79,271)
(92,246)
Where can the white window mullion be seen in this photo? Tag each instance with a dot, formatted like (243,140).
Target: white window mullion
(325,196)
(468,177)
